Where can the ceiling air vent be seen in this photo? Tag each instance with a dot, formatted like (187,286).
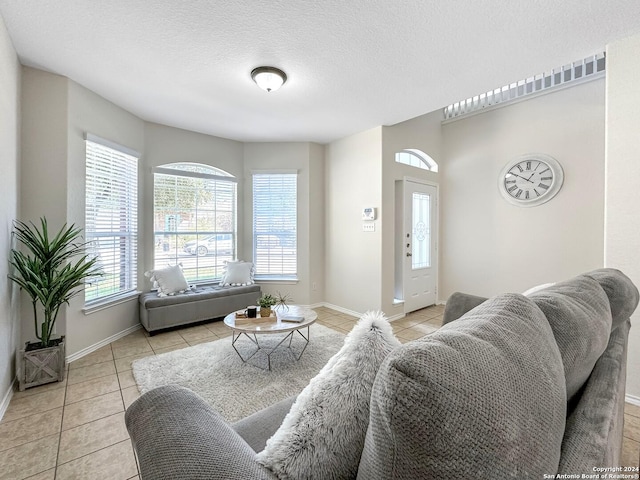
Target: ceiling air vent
(590,68)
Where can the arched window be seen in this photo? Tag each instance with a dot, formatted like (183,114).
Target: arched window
(194,219)
(416,158)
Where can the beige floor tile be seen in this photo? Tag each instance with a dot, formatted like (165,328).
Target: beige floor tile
(25,406)
(91,409)
(164,340)
(129,350)
(29,459)
(124,364)
(130,395)
(202,340)
(219,328)
(115,462)
(47,475)
(196,333)
(407,322)
(631,409)
(173,348)
(425,328)
(397,328)
(101,355)
(91,437)
(126,379)
(333,320)
(632,427)
(410,334)
(137,337)
(91,372)
(40,389)
(437,321)
(27,429)
(630,453)
(92,388)
(403,340)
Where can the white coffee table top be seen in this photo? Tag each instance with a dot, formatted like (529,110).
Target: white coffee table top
(274,323)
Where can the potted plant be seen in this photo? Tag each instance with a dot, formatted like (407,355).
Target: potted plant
(266,301)
(51,271)
(282,300)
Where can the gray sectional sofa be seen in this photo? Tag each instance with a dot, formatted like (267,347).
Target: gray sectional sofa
(516,387)
(200,303)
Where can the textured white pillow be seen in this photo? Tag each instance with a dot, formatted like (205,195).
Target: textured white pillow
(237,273)
(323,434)
(168,281)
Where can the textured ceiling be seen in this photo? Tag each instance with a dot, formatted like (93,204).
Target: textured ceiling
(352,64)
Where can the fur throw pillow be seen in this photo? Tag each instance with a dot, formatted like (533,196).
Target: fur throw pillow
(323,434)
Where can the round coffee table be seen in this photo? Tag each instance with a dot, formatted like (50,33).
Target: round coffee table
(281,321)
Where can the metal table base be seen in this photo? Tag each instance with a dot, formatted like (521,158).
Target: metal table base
(235,337)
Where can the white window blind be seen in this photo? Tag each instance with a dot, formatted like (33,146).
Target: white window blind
(111,218)
(275,225)
(194,212)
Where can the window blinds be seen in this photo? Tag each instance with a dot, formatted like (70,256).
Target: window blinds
(111,218)
(275,224)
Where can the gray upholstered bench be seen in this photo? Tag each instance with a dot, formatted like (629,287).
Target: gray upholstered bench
(201,303)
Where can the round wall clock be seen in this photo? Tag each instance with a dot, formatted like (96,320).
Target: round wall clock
(530,180)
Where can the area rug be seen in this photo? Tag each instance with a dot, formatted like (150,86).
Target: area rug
(236,389)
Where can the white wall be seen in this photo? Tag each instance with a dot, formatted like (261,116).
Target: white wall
(10,73)
(490,246)
(306,158)
(353,176)
(88,112)
(622,225)
(422,133)
(43,167)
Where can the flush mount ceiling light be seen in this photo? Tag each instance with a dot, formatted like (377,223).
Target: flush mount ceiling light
(268,78)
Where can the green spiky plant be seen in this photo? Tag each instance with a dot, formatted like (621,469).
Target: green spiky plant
(51,271)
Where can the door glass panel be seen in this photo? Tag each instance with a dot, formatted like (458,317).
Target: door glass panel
(421,228)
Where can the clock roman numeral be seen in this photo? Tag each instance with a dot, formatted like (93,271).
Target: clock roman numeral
(529,165)
(545,170)
(537,193)
(542,185)
(545,178)
(512,188)
(520,168)
(526,195)
(519,193)
(510,181)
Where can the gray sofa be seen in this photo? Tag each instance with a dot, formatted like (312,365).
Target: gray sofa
(511,387)
(201,303)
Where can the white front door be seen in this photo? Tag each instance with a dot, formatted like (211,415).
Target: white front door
(419,245)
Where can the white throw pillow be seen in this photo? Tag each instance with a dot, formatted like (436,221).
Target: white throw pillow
(168,281)
(237,273)
(323,434)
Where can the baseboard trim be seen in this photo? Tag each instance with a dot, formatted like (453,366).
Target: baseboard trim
(342,310)
(398,316)
(7,399)
(632,400)
(102,343)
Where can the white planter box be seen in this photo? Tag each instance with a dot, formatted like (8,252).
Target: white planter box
(41,365)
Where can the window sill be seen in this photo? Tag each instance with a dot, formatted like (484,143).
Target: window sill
(277,280)
(110,302)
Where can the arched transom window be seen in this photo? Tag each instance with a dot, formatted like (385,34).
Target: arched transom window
(416,158)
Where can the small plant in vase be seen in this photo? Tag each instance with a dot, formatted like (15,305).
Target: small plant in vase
(282,301)
(266,301)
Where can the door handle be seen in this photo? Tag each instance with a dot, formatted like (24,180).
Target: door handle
(409,255)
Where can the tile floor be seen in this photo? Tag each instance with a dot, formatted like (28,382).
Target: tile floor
(75,429)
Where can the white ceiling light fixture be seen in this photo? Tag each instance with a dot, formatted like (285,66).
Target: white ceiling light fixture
(269,79)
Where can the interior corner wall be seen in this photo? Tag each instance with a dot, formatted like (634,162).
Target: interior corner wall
(43,166)
(286,156)
(353,176)
(10,73)
(88,112)
(622,225)
(489,246)
(422,133)
(316,223)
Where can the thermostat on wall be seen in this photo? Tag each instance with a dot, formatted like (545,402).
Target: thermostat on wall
(368,214)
